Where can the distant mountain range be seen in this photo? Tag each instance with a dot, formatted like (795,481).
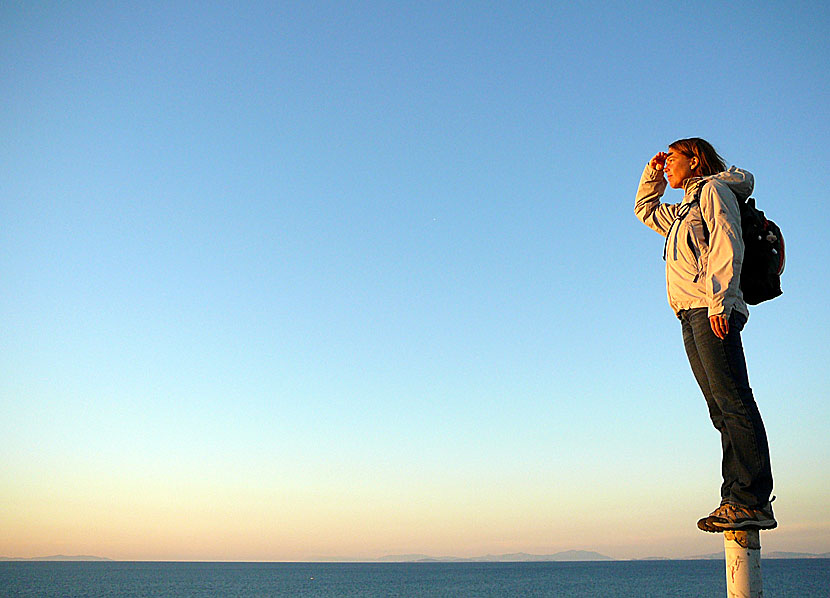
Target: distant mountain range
(576,555)
(56,557)
(775,554)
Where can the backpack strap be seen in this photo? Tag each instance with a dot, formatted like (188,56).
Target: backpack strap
(682,212)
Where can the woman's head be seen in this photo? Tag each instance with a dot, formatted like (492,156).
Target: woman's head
(690,158)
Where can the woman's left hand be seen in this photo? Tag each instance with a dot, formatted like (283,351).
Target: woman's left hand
(720,325)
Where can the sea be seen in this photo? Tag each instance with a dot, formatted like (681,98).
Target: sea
(614,579)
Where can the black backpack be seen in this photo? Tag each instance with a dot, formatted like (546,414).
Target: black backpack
(764,257)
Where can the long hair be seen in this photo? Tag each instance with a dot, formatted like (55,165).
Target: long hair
(695,147)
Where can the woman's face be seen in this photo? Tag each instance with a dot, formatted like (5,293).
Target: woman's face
(679,167)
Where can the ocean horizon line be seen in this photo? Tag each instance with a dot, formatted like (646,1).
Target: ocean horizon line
(520,557)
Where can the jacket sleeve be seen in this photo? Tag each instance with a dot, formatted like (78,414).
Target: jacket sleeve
(722,217)
(655,215)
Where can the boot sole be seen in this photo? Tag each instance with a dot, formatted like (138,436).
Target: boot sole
(706,525)
(759,525)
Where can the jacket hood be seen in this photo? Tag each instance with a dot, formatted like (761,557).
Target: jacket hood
(740,182)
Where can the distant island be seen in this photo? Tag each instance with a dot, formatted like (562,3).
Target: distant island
(573,556)
(775,554)
(56,557)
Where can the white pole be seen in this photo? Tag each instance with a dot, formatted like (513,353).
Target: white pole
(743,563)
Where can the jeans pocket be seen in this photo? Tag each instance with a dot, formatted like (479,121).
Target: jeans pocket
(737,320)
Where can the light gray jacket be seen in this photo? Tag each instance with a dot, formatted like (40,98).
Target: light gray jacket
(702,270)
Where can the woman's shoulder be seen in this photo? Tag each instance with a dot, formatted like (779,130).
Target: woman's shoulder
(733,182)
(715,187)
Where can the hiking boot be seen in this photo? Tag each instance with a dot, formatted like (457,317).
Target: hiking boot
(731,517)
(707,524)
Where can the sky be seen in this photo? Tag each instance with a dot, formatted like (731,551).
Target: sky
(302,280)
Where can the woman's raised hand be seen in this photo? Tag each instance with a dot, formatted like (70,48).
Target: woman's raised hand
(659,160)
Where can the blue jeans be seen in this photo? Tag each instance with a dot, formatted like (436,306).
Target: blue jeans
(720,369)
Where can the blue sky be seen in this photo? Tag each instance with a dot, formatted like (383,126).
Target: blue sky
(326,279)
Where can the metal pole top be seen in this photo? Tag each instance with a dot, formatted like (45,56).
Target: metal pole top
(742,549)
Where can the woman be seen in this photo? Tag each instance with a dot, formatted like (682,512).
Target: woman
(703,253)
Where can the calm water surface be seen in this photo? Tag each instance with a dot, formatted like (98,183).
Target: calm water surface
(688,579)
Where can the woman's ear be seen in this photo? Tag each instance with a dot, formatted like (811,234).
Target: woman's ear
(693,162)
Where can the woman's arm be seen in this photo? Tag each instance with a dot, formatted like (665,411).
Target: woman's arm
(655,215)
(722,217)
